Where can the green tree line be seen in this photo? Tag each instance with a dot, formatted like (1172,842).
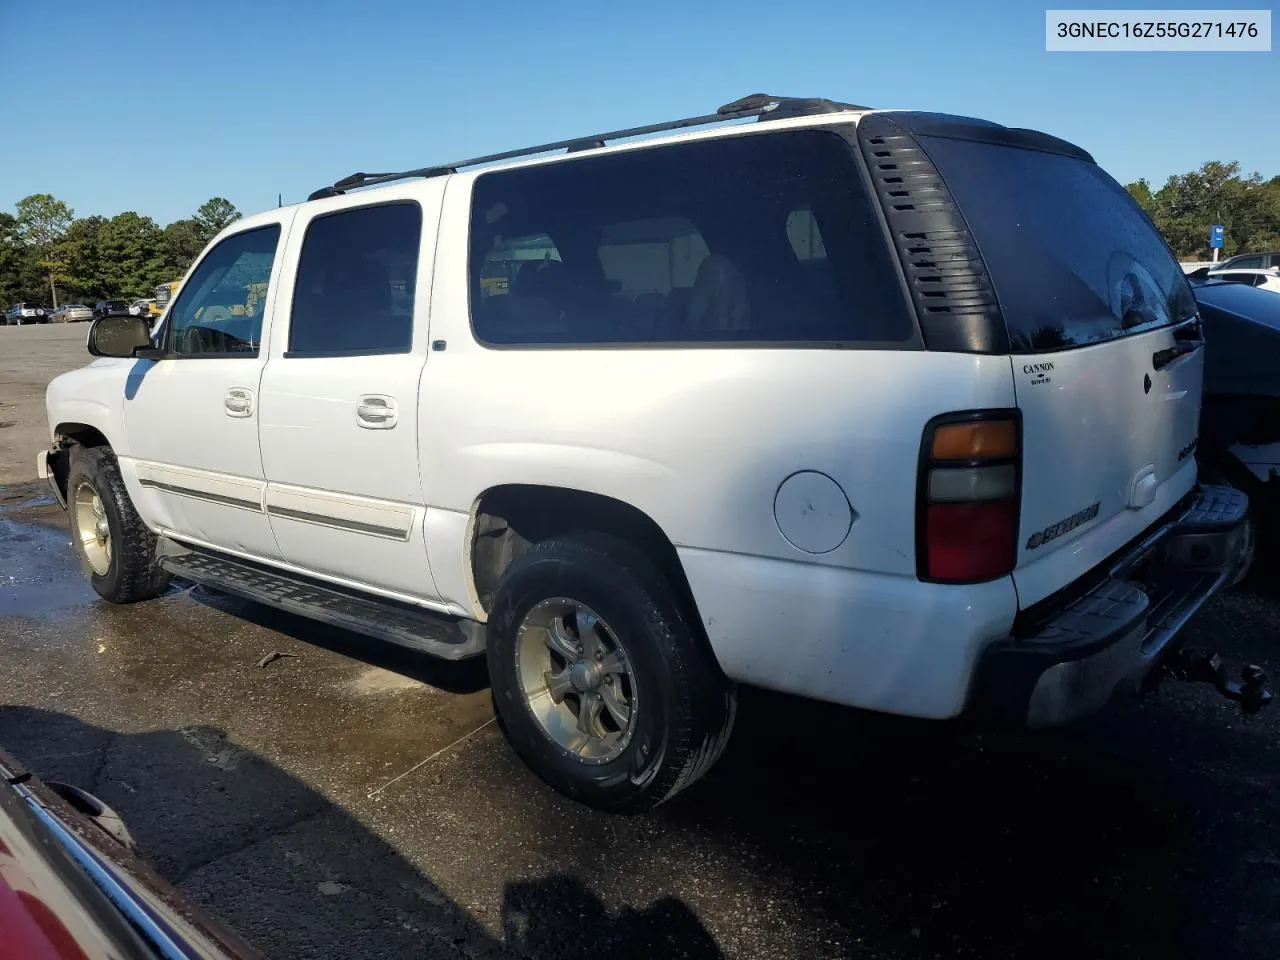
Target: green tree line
(49,256)
(1248,207)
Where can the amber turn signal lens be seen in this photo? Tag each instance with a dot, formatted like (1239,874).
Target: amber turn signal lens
(980,440)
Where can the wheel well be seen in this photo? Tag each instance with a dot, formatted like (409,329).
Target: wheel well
(69,434)
(82,434)
(510,518)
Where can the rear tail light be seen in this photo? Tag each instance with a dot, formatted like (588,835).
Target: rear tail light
(968,497)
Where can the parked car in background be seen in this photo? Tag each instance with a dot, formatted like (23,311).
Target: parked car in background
(141,307)
(72,313)
(21,313)
(1264,279)
(71,885)
(1249,261)
(1240,419)
(107,308)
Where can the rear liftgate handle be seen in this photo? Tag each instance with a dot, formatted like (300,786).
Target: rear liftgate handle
(1187,339)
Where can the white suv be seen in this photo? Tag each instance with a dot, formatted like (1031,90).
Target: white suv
(891,409)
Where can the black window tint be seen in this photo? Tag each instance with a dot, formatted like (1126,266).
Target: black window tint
(220,308)
(1246,263)
(1072,257)
(356,279)
(765,238)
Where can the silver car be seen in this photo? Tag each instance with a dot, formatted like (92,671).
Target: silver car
(71,312)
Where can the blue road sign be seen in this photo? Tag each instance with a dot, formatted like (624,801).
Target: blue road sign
(1215,236)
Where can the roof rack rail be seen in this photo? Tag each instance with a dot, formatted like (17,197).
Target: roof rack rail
(759,105)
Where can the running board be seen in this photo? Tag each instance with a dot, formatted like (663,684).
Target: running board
(450,638)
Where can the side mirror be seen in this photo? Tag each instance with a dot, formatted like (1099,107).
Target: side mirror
(118,336)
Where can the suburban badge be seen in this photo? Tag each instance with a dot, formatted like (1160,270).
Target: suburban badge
(1062,526)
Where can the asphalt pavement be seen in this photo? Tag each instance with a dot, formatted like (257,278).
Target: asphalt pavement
(349,799)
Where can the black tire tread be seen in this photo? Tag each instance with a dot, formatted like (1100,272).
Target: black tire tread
(133,546)
(706,700)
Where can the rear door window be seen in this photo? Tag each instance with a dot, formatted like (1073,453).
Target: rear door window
(1072,257)
(766,239)
(357,275)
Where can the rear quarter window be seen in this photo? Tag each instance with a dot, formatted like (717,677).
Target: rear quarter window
(764,239)
(1071,256)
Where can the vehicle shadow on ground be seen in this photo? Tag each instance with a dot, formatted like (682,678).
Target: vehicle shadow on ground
(294,875)
(1126,836)
(1143,833)
(461,676)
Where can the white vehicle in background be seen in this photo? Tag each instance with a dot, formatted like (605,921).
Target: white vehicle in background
(1265,279)
(141,308)
(1249,261)
(830,403)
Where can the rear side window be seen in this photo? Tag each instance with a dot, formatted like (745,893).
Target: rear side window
(768,238)
(1072,257)
(356,278)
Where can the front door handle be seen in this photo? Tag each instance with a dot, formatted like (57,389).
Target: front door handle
(376,412)
(238,402)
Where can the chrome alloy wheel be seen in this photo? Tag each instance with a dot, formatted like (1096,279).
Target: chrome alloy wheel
(576,679)
(92,528)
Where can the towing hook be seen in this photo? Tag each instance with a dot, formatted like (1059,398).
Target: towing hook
(1250,691)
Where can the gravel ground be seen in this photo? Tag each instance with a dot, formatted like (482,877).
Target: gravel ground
(354,800)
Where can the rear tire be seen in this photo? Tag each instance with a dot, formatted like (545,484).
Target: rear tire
(116,550)
(649,668)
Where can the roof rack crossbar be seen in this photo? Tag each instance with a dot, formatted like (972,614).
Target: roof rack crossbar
(757,105)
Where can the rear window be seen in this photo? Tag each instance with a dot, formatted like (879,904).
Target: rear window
(752,239)
(1072,257)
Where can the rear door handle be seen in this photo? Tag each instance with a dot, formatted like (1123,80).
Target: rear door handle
(376,412)
(238,402)
(1162,358)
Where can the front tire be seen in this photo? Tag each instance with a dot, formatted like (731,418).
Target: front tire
(116,550)
(599,682)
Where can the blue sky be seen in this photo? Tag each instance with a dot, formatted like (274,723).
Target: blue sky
(156,106)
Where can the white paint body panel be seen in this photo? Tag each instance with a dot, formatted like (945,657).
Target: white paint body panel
(877,641)
(698,439)
(318,458)
(1093,433)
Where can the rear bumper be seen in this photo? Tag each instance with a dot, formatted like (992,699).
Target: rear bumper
(1112,639)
